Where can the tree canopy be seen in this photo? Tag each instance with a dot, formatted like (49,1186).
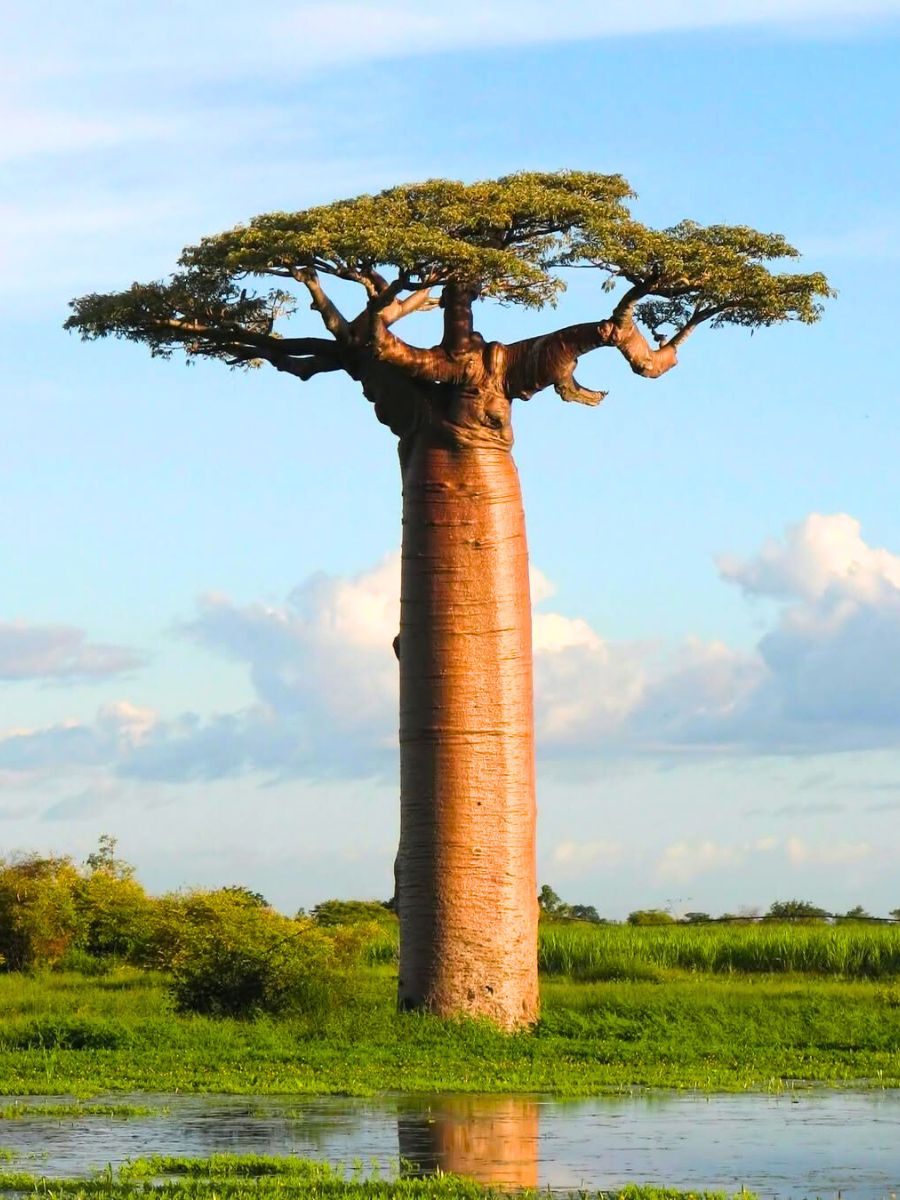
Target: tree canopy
(446,244)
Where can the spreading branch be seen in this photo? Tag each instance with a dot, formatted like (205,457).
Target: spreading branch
(414,247)
(334,321)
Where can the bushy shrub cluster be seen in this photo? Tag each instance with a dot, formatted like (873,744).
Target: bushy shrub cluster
(227,952)
(233,958)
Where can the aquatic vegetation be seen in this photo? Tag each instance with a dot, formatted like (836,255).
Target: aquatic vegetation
(62,1111)
(234,1177)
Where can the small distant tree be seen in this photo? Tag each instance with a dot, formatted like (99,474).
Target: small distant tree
(105,859)
(696,918)
(650,916)
(115,914)
(551,904)
(585,912)
(747,915)
(894,914)
(857,913)
(795,910)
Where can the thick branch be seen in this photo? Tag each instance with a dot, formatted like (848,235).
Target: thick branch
(304,367)
(420,301)
(457,301)
(333,319)
(431,365)
(392,309)
(245,345)
(536,363)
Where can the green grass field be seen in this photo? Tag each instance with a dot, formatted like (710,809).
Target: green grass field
(62,1033)
(851,950)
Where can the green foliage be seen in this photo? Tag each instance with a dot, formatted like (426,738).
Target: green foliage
(650,916)
(115,915)
(795,910)
(857,913)
(61,1034)
(716,273)
(234,959)
(548,901)
(503,235)
(506,239)
(585,912)
(554,908)
(39,920)
(104,859)
(855,950)
(352,912)
(169,315)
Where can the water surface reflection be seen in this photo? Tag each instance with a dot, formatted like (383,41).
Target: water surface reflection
(493,1139)
(811,1143)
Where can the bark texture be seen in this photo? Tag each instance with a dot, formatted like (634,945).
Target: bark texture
(466,879)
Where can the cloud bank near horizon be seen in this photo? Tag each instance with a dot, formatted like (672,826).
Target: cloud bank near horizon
(325,680)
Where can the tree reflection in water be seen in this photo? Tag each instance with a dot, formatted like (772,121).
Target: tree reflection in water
(493,1139)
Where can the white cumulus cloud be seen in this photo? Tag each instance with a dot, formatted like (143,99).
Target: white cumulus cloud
(820,680)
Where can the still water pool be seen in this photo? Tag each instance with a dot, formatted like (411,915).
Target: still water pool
(804,1144)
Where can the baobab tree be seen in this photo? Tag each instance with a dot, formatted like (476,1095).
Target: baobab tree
(465,869)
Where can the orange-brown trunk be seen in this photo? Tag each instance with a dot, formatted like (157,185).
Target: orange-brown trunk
(466,884)
(493,1139)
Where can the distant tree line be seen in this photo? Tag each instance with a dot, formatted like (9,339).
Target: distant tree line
(553,908)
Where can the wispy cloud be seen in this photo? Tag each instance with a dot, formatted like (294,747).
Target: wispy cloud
(310,35)
(59,654)
(830,854)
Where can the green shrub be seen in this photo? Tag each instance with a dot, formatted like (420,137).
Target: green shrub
(231,959)
(82,962)
(116,916)
(39,920)
(650,916)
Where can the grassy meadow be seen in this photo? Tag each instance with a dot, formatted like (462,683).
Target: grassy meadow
(105,988)
(592,953)
(61,1032)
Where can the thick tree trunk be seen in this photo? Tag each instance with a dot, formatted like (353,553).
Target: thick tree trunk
(466,884)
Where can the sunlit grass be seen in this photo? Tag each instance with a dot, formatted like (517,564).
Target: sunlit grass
(64,1034)
(594,952)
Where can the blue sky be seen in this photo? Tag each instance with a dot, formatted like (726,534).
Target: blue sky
(194,654)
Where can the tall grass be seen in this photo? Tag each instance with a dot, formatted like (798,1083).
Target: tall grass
(850,951)
(640,952)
